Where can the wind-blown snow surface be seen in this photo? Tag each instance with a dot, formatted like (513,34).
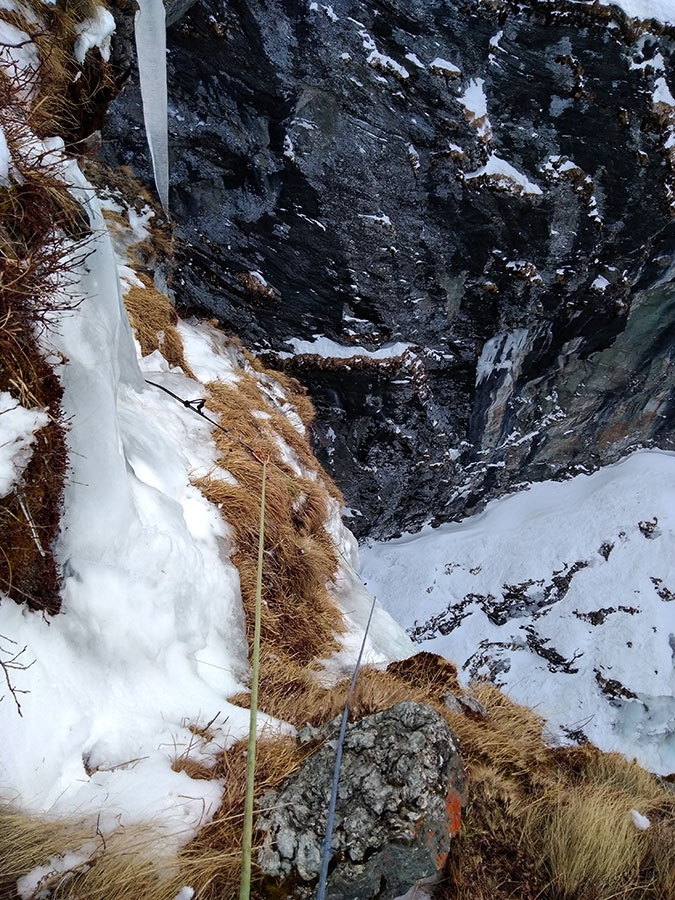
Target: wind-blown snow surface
(661,10)
(151,637)
(564,594)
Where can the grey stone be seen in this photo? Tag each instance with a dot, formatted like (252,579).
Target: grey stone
(401,788)
(453,704)
(473,706)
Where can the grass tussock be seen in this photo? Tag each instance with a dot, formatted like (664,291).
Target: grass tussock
(66,97)
(126,865)
(300,617)
(125,189)
(78,862)
(554,823)
(154,321)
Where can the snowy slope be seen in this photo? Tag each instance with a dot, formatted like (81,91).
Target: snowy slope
(151,638)
(564,594)
(661,10)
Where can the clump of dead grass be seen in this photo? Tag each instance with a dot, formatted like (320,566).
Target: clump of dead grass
(125,865)
(554,823)
(128,864)
(300,616)
(68,98)
(154,321)
(129,193)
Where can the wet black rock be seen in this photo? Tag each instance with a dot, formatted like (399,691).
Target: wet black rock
(490,184)
(401,789)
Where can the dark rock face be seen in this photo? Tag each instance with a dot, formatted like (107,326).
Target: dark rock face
(399,804)
(491,184)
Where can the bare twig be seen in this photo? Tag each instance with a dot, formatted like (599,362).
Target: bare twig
(13,662)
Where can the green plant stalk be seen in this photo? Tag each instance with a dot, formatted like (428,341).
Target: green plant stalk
(247,839)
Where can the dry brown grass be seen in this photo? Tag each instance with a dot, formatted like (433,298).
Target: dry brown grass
(69,99)
(129,865)
(300,617)
(130,193)
(126,865)
(154,321)
(555,823)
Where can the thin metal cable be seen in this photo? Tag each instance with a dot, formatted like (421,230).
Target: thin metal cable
(330,821)
(197,406)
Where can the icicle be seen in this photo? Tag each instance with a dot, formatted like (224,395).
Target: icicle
(151,51)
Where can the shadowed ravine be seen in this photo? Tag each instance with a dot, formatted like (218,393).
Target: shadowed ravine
(334,152)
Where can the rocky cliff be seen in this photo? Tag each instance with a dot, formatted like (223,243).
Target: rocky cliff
(478,195)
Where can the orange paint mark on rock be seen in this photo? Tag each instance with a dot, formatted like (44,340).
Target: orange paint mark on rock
(453,805)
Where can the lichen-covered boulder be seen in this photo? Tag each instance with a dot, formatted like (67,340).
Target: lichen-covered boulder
(399,804)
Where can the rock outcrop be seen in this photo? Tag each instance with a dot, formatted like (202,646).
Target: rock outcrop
(399,804)
(483,192)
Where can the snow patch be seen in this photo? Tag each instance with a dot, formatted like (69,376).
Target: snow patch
(475,108)
(151,635)
(415,60)
(660,10)
(641,822)
(662,93)
(30,887)
(501,175)
(17,436)
(94,32)
(329,349)
(444,67)
(387,64)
